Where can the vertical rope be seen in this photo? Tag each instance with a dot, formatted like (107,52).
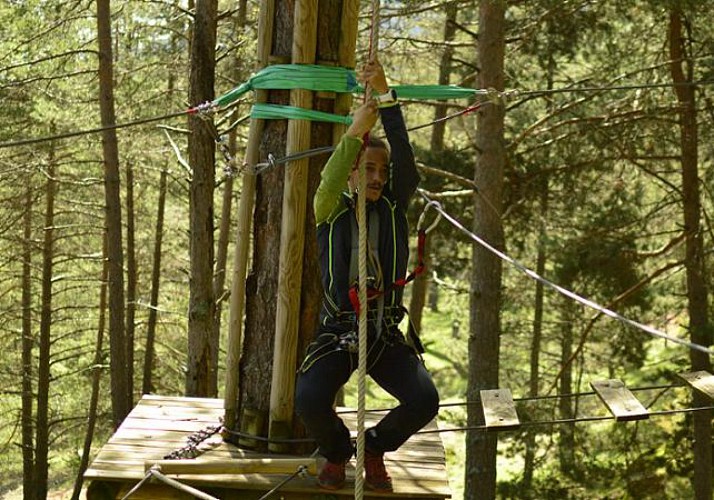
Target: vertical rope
(362,271)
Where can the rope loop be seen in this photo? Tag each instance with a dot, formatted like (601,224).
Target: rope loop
(261,167)
(501,97)
(437,206)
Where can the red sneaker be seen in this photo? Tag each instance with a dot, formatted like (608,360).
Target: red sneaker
(332,476)
(376,477)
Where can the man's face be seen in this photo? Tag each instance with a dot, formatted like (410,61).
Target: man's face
(375,161)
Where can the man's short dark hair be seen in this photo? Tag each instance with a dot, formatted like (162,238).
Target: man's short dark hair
(376,142)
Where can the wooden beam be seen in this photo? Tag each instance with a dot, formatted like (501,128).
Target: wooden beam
(619,400)
(702,381)
(234,466)
(245,219)
(346,58)
(292,236)
(499,410)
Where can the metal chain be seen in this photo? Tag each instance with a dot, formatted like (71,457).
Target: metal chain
(191,449)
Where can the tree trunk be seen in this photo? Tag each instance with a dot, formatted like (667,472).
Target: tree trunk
(28,448)
(202,376)
(121,399)
(219,291)
(534,378)
(96,378)
(262,284)
(485,293)
(538,303)
(699,328)
(420,286)
(131,273)
(147,385)
(437,133)
(292,235)
(566,432)
(43,370)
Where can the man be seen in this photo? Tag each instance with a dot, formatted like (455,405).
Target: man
(332,357)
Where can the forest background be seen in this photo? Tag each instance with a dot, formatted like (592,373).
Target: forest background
(598,195)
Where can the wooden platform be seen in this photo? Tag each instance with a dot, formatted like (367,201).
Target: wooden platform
(159,425)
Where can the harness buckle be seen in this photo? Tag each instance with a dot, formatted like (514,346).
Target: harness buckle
(349,342)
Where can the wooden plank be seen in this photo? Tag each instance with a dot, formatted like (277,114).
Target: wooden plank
(177,413)
(417,468)
(702,381)
(188,426)
(188,402)
(234,466)
(206,465)
(499,411)
(619,400)
(154,492)
(151,434)
(412,487)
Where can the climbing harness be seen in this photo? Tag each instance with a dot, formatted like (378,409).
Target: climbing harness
(420,267)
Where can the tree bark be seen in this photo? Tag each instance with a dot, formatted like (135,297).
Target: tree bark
(566,432)
(121,399)
(421,284)
(292,235)
(700,330)
(28,448)
(147,386)
(538,308)
(439,128)
(96,379)
(131,276)
(43,370)
(485,293)
(538,301)
(262,284)
(202,376)
(219,291)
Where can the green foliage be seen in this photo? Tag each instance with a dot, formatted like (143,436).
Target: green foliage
(592,181)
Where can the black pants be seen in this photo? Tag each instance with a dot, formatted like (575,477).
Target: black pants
(396,368)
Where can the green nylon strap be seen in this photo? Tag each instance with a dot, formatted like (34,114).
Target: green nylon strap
(295,76)
(334,79)
(279,112)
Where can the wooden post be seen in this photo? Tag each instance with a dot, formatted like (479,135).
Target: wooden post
(346,58)
(292,235)
(245,218)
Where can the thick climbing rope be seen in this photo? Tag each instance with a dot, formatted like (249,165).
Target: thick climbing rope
(362,279)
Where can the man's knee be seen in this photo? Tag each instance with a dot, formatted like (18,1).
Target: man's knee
(429,403)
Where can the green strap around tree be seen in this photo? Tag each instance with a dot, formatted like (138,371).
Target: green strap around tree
(279,112)
(327,79)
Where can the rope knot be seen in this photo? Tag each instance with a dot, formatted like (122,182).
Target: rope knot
(500,97)
(205,110)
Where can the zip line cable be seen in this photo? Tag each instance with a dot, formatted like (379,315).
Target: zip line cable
(561,421)
(531,423)
(643,86)
(563,291)
(206,108)
(272,161)
(67,135)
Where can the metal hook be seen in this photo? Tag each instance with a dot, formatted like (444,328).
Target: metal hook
(436,205)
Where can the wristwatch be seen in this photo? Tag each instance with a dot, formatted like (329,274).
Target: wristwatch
(389,98)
